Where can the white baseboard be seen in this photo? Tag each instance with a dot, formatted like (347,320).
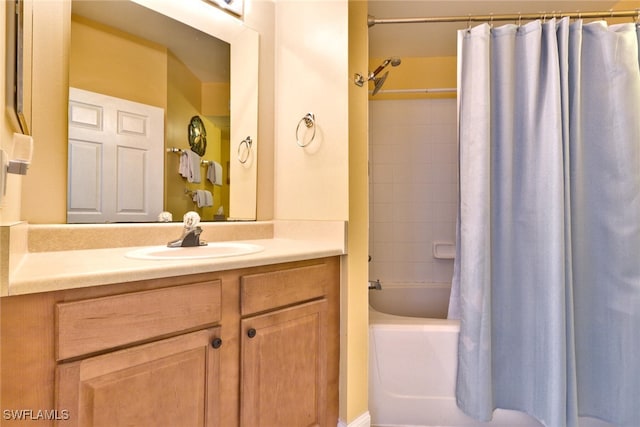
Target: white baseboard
(364,420)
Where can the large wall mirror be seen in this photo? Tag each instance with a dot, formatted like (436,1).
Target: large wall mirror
(193,65)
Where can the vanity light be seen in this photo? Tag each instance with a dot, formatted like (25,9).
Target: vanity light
(233,6)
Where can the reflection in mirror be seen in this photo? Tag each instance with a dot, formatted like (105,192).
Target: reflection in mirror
(132,54)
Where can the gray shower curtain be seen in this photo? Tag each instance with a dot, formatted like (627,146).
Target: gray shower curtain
(547,271)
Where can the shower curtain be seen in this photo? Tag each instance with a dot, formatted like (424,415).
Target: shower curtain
(547,271)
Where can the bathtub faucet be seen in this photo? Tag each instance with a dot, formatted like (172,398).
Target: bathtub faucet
(375,284)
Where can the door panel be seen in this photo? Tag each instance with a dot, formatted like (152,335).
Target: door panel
(125,180)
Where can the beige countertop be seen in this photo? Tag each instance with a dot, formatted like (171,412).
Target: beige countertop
(77,268)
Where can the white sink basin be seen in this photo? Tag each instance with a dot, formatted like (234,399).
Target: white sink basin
(212,250)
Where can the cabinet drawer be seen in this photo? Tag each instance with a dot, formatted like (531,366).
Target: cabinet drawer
(265,291)
(93,325)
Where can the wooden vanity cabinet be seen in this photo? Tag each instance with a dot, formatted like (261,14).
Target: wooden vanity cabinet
(172,381)
(286,357)
(177,351)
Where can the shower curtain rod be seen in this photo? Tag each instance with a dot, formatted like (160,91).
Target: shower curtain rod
(372,20)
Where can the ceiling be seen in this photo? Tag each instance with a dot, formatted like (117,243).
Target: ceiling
(439,39)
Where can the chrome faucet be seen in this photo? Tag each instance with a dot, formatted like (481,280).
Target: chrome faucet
(375,285)
(191,233)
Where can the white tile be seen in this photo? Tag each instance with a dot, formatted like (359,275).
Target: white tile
(444,230)
(382,173)
(444,153)
(402,174)
(383,231)
(382,212)
(382,154)
(413,194)
(383,193)
(383,252)
(442,271)
(381,270)
(443,211)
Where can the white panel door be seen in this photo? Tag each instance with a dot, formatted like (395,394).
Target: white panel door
(116,159)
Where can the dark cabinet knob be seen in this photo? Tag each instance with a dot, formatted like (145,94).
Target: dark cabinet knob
(251,333)
(216,343)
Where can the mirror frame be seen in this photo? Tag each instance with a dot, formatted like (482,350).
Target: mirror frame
(245,53)
(18,82)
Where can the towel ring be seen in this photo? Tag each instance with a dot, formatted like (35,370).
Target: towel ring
(309,121)
(247,144)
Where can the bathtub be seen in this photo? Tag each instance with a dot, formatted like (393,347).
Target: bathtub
(413,362)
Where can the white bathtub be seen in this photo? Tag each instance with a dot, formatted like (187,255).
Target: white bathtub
(413,361)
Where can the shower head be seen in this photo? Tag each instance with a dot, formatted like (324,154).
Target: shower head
(393,61)
(379,81)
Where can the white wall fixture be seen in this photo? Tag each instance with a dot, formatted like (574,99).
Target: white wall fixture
(21,154)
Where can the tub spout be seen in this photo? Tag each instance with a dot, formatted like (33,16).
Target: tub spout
(375,285)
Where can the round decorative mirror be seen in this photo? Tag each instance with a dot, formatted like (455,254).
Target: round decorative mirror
(197,136)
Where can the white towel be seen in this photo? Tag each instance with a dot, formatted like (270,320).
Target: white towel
(183,169)
(214,173)
(203,198)
(190,166)
(211,173)
(193,163)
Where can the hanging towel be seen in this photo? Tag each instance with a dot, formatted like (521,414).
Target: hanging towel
(211,173)
(193,167)
(183,169)
(203,198)
(214,173)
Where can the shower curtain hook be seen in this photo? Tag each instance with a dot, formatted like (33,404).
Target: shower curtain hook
(491,21)
(469,24)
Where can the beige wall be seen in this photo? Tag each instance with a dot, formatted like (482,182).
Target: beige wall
(311,64)
(417,73)
(355,292)
(51,32)
(114,63)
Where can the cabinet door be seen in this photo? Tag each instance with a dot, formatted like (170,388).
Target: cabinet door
(284,367)
(172,382)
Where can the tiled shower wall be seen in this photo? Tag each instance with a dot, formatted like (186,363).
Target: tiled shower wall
(413,188)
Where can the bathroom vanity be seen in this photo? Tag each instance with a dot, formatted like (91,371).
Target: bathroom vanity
(252,346)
